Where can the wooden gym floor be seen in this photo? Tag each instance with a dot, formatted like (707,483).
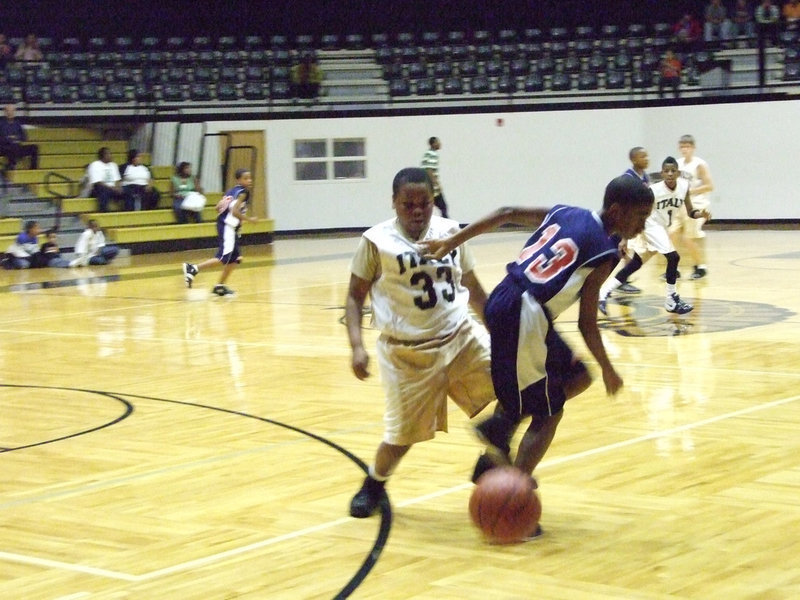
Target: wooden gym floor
(158,442)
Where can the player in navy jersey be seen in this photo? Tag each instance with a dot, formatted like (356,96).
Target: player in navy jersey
(671,195)
(569,256)
(638,169)
(232,210)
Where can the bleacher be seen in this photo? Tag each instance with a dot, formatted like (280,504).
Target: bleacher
(202,73)
(63,156)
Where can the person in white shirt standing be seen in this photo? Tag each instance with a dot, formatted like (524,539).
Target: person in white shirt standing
(105,179)
(137,184)
(91,248)
(690,231)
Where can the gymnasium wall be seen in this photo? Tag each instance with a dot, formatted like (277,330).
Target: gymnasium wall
(537,158)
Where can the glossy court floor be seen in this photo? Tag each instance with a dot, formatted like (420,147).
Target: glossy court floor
(159,442)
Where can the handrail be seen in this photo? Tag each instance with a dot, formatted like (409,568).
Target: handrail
(57,195)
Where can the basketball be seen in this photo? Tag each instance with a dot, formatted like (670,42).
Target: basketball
(504,505)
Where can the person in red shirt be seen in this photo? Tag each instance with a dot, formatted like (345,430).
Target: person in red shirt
(670,71)
(687,32)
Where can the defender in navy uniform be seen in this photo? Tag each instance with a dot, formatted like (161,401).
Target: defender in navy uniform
(568,257)
(638,169)
(232,211)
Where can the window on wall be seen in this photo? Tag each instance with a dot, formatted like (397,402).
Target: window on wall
(325,159)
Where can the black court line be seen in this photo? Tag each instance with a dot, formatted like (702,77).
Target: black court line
(128,411)
(385,505)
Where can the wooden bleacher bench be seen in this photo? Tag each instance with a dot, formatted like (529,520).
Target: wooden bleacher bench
(34,176)
(10,225)
(141,218)
(87,209)
(178,231)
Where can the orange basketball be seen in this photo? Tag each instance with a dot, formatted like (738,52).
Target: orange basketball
(504,505)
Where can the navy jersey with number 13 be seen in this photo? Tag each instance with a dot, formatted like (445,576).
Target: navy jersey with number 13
(557,258)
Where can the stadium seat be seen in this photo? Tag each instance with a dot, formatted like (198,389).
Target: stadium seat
(426,87)
(281,57)
(35,94)
(609,46)
(641,79)
(532,35)
(409,54)
(662,29)
(253,42)
(7,95)
(417,70)
(379,39)
(431,38)
(330,41)
(71,44)
(122,44)
(176,75)
(233,57)
(152,75)
(468,68)
(587,80)
(634,45)
(609,31)
(150,43)
(253,90)
(584,47)
(42,76)
(202,42)
(280,90)
(227,91)
(442,69)
(507,36)
(115,92)
(561,82)
(519,66)
(622,61)
(172,92)
(584,32)
(97,44)
(650,60)
(405,38)
(89,92)
(228,74)
(615,80)
(203,74)
(143,92)
(200,92)
(205,57)
(459,52)
(257,57)
(484,51)
(546,65)
(304,41)
(791,71)
(176,43)
(559,34)
(506,84)
(354,41)
(509,51)
(279,73)
(433,53)
(453,85)
(70,75)
(226,43)
(494,67)
(479,85)
(399,87)
(79,60)
(62,93)
(597,62)
(456,37)
(637,30)
(155,58)
(534,82)
(96,75)
(131,58)
(572,64)
(559,48)
(181,58)
(384,55)
(481,36)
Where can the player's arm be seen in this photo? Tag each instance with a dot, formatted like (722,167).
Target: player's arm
(356,296)
(587,325)
(477,295)
(508,215)
(704,174)
(695,213)
(236,211)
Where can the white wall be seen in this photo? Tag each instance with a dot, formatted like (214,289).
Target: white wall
(537,158)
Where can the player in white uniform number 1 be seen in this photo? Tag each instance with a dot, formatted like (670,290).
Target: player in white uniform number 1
(696,171)
(671,194)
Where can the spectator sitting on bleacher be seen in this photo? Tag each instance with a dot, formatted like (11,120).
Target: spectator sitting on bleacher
(306,77)
(183,184)
(6,52)
(12,134)
(29,49)
(50,253)
(105,180)
(791,14)
(91,247)
(22,252)
(137,184)
(686,33)
(717,25)
(743,23)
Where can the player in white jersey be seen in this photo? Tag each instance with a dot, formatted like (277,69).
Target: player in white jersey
(696,171)
(671,195)
(429,346)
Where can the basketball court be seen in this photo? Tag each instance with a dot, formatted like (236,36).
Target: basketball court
(160,442)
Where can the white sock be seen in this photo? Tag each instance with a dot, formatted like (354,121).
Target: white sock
(671,289)
(609,286)
(375,476)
